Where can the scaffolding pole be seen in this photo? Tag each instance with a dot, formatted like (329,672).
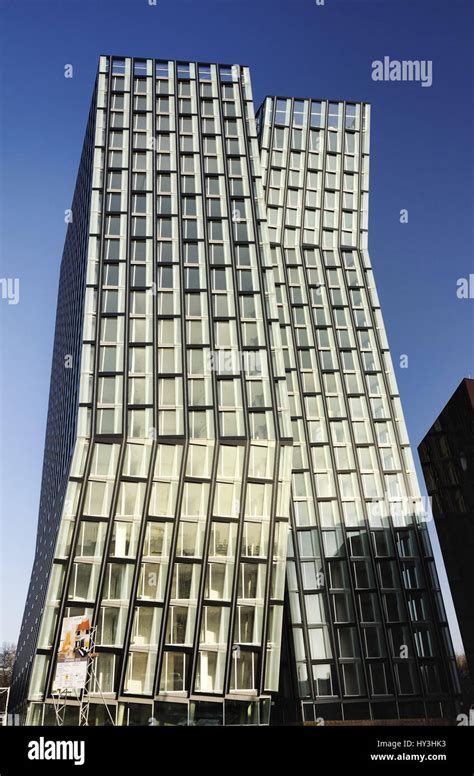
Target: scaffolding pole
(83,695)
(4,696)
(93,679)
(60,698)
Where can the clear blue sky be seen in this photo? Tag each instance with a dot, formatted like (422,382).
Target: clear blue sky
(421,161)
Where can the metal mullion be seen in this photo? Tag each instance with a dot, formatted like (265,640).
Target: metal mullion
(269,571)
(149,478)
(133,601)
(303,418)
(376,586)
(219,442)
(204,569)
(323,559)
(342,525)
(180,264)
(171,567)
(178,442)
(370,308)
(368,527)
(154,452)
(253,183)
(236,571)
(259,267)
(216,442)
(248,439)
(232,241)
(122,442)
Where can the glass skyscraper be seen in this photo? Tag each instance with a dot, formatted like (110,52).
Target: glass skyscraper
(369,637)
(228,491)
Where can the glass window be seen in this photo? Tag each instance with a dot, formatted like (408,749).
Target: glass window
(319,643)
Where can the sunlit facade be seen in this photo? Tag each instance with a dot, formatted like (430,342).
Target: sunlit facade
(173,533)
(222,395)
(369,637)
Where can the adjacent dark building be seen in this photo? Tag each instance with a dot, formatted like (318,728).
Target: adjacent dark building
(447,458)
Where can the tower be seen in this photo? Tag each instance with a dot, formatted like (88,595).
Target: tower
(167,525)
(369,637)
(221,390)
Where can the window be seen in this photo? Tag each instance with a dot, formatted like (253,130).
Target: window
(139,103)
(162,70)
(405,675)
(173,672)
(157,540)
(91,539)
(139,203)
(140,672)
(323,679)
(244,665)
(319,643)
(190,539)
(117,582)
(111,627)
(113,225)
(316,612)
(352,678)
(83,582)
(98,498)
(342,607)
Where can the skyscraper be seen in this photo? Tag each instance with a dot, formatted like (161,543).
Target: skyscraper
(170,534)
(369,637)
(447,457)
(222,388)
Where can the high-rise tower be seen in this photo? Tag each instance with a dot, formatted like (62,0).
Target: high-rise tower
(164,521)
(369,637)
(217,381)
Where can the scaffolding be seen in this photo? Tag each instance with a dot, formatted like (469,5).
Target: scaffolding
(82,695)
(60,698)
(4,696)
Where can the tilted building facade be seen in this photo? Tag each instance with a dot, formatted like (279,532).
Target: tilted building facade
(222,389)
(369,636)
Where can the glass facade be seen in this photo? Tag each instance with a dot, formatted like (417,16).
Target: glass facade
(228,479)
(369,637)
(173,533)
